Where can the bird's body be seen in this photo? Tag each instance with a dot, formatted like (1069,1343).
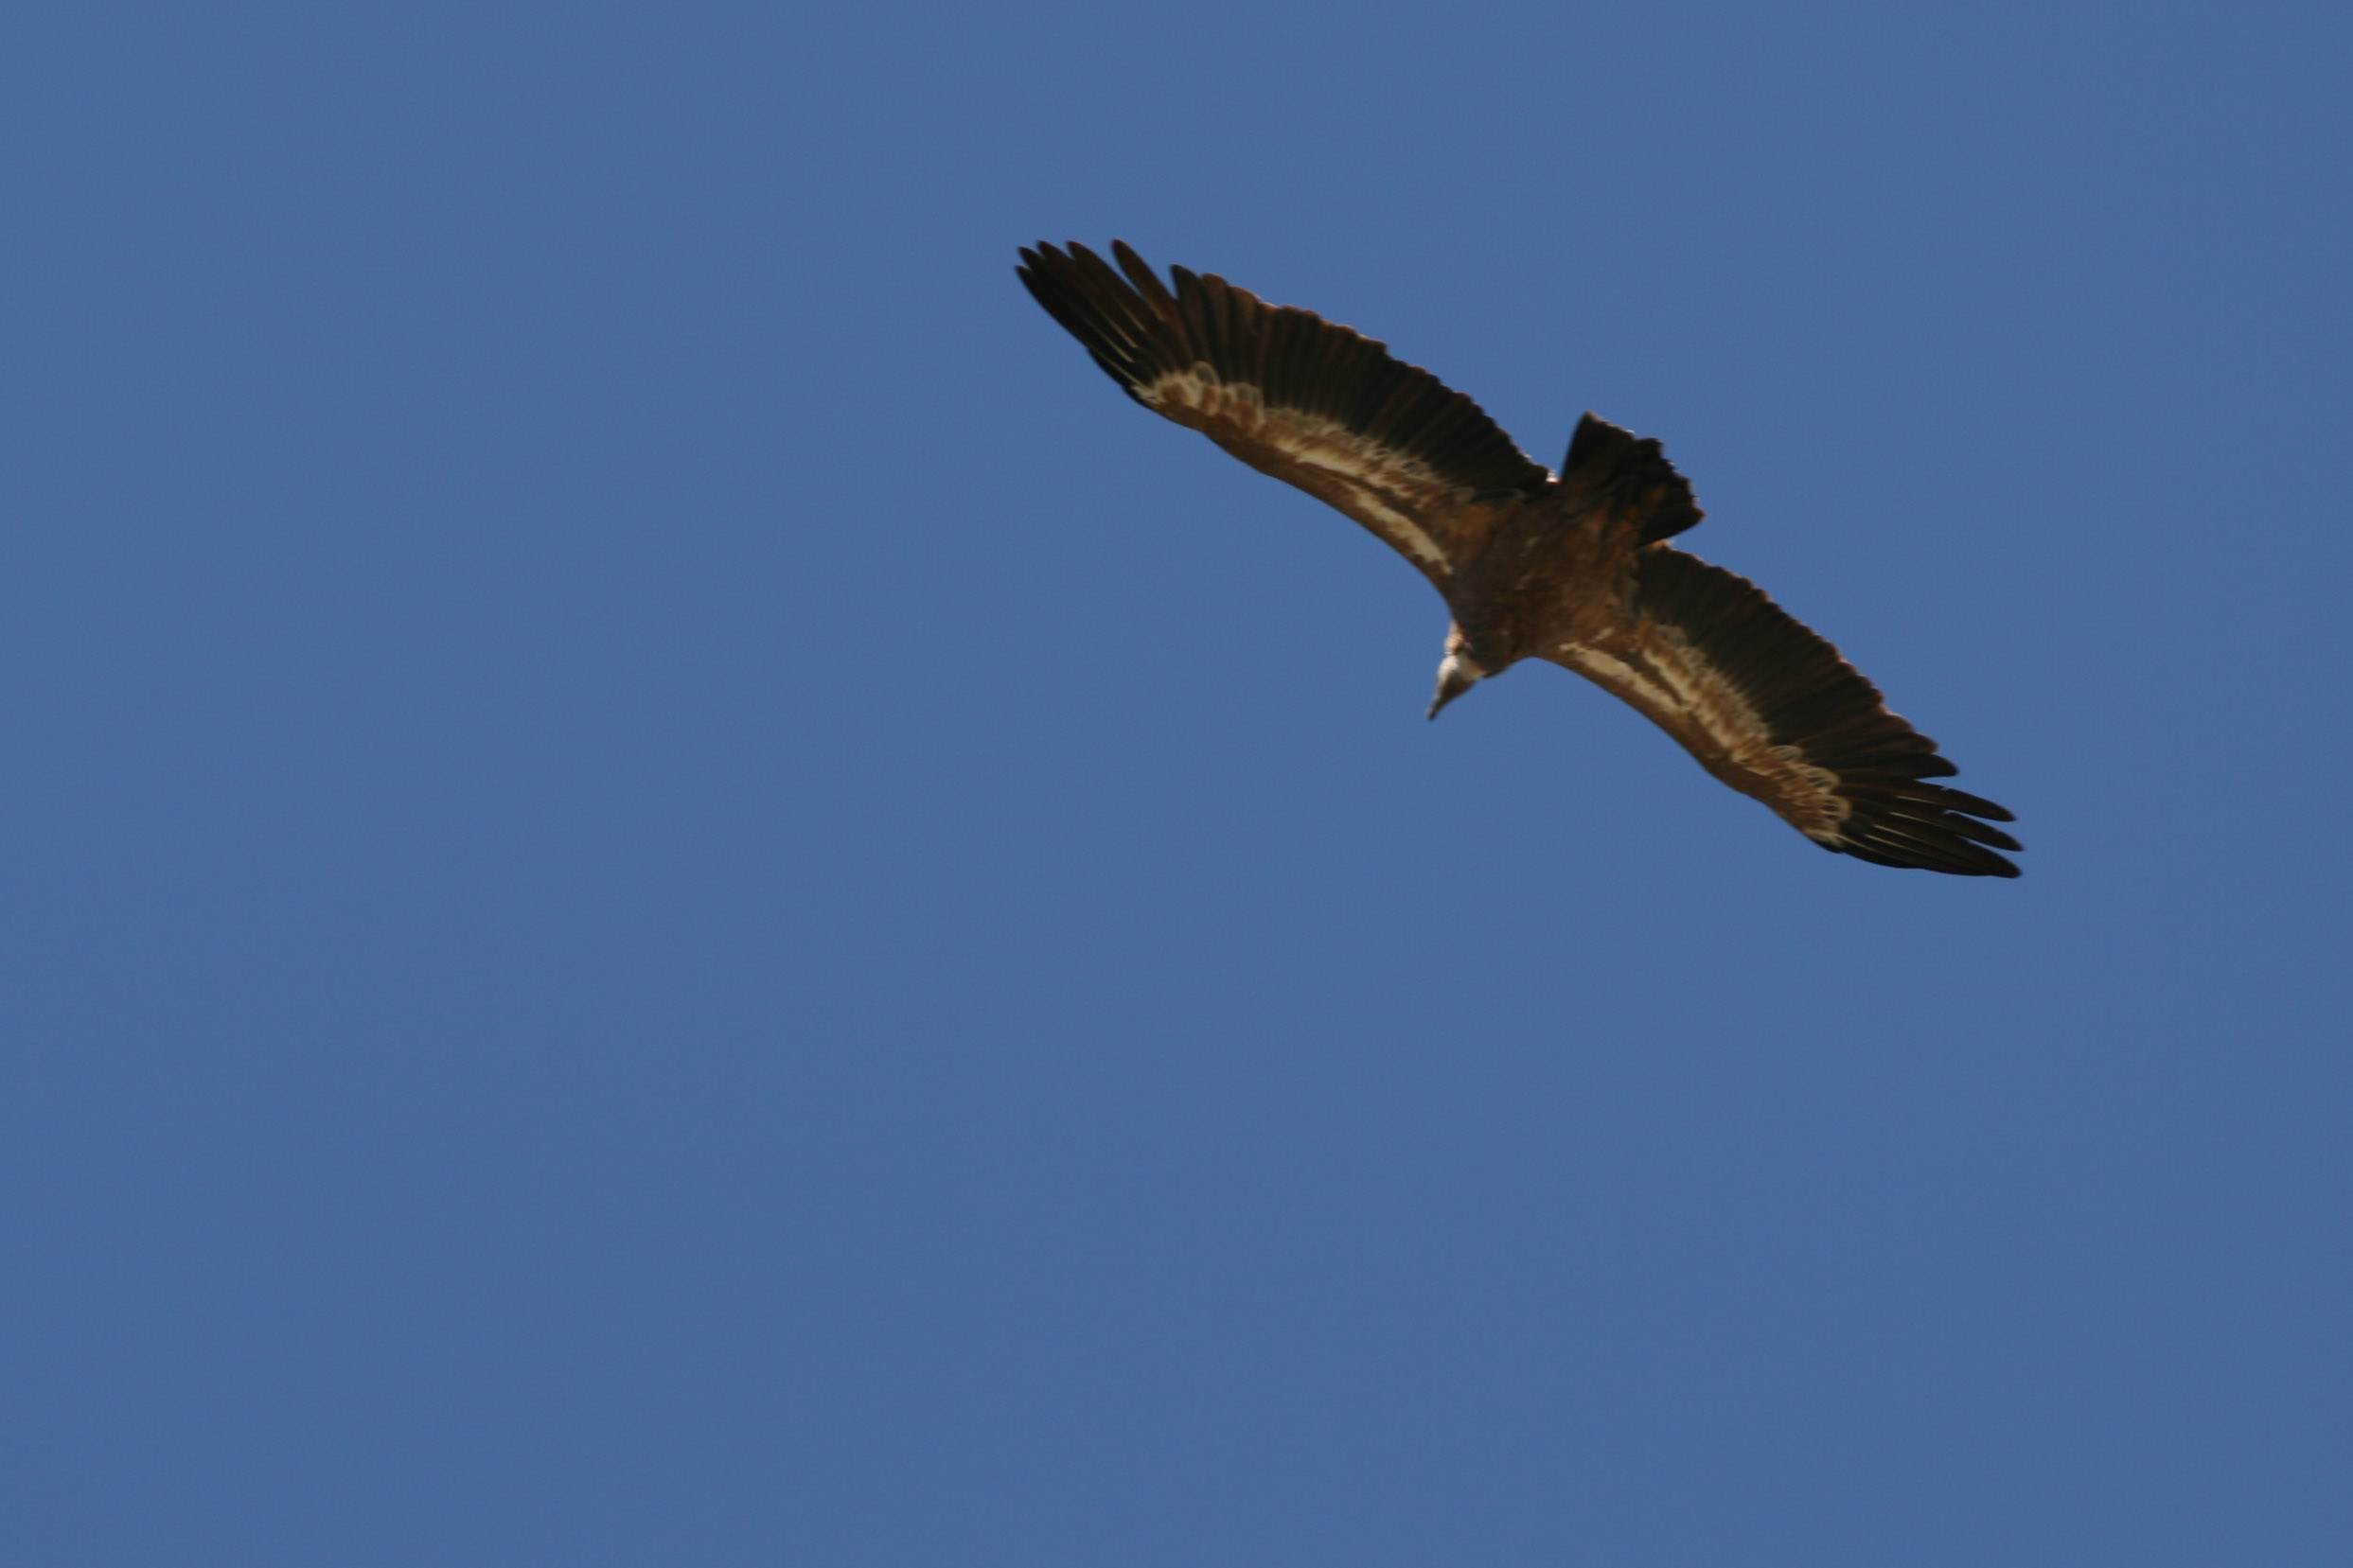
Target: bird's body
(1572,569)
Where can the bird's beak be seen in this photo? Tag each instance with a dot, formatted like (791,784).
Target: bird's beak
(1455,676)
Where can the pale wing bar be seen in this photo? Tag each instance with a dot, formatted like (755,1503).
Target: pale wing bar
(1292,394)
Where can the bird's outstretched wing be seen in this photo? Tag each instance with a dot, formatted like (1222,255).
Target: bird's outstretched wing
(1772,710)
(1294,395)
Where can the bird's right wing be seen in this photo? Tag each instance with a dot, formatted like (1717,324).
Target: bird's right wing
(1294,395)
(1771,708)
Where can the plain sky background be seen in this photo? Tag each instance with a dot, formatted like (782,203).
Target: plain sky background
(674,894)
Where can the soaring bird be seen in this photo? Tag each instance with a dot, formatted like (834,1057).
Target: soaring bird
(1571,568)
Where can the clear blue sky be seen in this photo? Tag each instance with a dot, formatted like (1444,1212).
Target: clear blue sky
(674,894)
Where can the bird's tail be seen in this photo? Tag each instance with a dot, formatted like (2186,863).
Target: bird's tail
(1635,472)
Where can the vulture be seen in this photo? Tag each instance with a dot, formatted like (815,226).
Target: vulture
(1573,568)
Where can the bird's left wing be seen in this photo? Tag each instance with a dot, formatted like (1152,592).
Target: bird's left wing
(1771,708)
(1295,397)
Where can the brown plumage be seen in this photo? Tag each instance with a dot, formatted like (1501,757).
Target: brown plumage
(1572,569)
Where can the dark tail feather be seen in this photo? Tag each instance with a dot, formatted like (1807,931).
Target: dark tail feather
(1635,469)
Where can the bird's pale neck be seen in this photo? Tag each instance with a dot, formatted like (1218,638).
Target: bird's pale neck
(1457,672)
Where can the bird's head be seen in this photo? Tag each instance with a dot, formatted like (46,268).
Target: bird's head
(1457,672)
